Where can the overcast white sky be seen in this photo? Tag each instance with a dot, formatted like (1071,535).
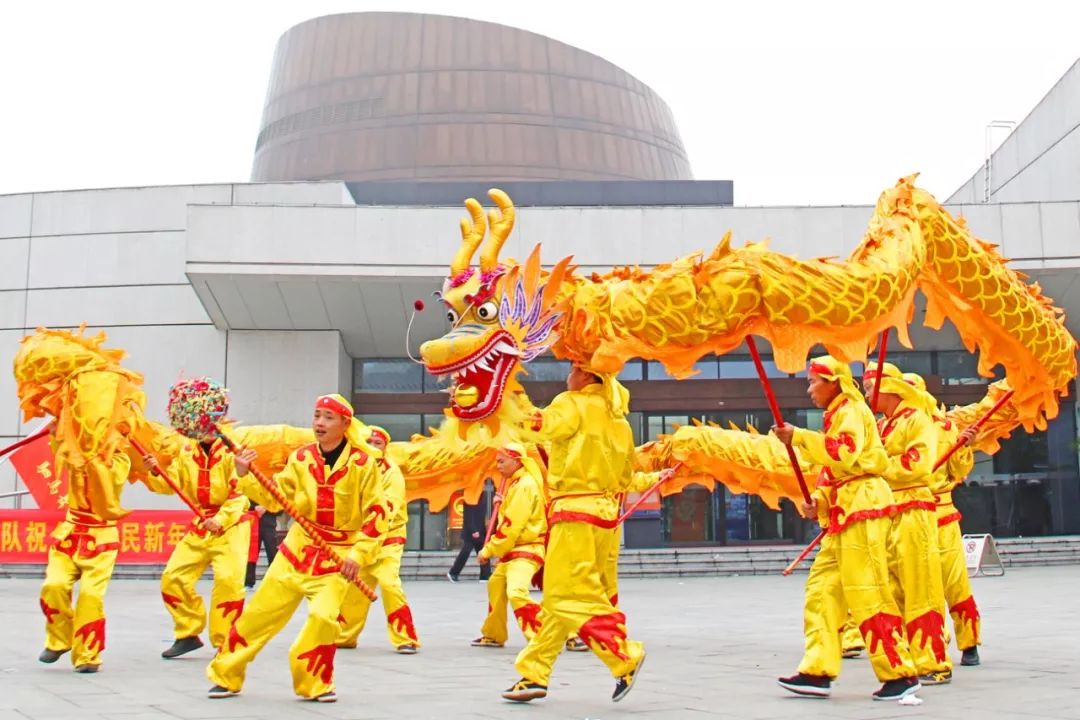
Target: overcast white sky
(797,102)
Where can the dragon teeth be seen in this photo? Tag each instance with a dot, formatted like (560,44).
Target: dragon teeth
(482,363)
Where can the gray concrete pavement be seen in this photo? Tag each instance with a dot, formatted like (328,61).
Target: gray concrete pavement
(715,647)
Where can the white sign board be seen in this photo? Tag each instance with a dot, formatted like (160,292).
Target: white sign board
(981,556)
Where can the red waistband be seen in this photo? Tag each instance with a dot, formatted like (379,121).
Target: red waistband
(394,541)
(950,518)
(577,516)
(81,544)
(522,555)
(840,520)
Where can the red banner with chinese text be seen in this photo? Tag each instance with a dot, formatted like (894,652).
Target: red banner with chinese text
(147,537)
(456,517)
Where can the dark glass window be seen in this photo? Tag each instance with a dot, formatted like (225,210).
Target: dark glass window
(958,367)
(388,376)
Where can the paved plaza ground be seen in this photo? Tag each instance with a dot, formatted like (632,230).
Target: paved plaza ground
(715,647)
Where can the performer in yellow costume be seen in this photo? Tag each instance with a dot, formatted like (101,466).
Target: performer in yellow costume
(386,572)
(83,549)
(336,484)
(851,569)
(590,451)
(965,613)
(911,442)
(205,473)
(518,544)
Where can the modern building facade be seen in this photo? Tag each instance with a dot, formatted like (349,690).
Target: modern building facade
(287,290)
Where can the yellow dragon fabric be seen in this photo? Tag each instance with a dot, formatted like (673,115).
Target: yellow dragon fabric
(504,313)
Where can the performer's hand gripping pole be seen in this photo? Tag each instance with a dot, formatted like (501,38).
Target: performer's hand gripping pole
(664,477)
(156,469)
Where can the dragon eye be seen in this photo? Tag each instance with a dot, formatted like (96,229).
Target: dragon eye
(451,316)
(487,312)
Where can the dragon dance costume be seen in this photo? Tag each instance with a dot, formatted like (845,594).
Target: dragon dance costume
(967,622)
(341,493)
(911,442)
(517,541)
(590,451)
(851,570)
(83,550)
(206,474)
(385,572)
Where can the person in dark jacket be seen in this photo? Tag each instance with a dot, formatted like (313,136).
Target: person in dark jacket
(267,537)
(473,529)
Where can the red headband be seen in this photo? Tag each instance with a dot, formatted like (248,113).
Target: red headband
(381,433)
(822,370)
(870,374)
(511,453)
(334,405)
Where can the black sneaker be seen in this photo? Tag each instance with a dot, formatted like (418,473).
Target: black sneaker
(624,684)
(524,691)
(182,647)
(896,689)
(936,678)
(217,692)
(51,656)
(451,577)
(807,685)
(969,658)
(86,669)
(327,697)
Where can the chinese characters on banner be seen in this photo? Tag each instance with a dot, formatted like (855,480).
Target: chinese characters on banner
(147,537)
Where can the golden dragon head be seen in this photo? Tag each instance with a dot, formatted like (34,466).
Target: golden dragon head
(82,385)
(502,314)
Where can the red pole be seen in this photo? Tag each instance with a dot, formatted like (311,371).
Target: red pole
(941,461)
(975,426)
(309,527)
(154,468)
(25,441)
(645,495)
(777,417)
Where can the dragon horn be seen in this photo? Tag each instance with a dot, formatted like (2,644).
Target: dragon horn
(501,224)
(472,234)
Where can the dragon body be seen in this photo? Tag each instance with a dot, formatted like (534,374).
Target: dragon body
(504,313)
